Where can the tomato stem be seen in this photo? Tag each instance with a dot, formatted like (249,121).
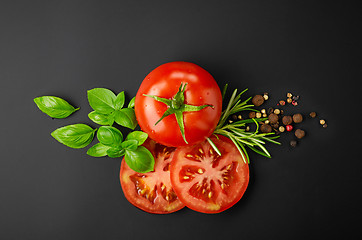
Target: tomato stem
(176,105)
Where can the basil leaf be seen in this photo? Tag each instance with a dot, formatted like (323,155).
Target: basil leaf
(126,117)
(101,100)
(131,103)
(141,160)
(109,136)
(115,152)
(98,150)
(54,107)
(130,145)
(119,102)
(101,119)
(140,136)
(74,136)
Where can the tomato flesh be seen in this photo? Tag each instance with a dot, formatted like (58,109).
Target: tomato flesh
(164,82)
(207,182)
(152,191)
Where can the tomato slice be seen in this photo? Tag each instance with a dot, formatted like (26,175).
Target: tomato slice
(152,191)
(207,182)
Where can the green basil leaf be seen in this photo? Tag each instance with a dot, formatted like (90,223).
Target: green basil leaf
(109,136)
(130,145)
(126,117)
(131,103)
(141,160)
(74,136)
(101,100)
(119,102)
(98,150)
(115,152)
(140,136)
(101,119)
(54,107)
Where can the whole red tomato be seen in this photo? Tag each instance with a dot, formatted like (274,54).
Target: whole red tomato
(178,103)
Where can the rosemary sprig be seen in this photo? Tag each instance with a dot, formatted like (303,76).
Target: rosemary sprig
(236,130)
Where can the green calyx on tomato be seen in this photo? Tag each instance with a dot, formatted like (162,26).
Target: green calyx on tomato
(176,105)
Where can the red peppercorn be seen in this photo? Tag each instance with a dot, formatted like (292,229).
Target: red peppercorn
(289,128)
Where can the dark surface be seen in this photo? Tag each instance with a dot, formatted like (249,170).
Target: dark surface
(64,48)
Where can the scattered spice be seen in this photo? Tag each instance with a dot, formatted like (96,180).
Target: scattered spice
(257,100)
(252,114)
(313,114)
(289,128)
(299,133)
(293,143)
(287,120)
(266,128)
(297,118)
(240,117)
(273,118)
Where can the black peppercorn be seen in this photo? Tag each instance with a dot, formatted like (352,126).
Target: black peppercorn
(293,143)
(265,128)
(297,118)
(287,120)
(299,133)
(257,100)
(273,118)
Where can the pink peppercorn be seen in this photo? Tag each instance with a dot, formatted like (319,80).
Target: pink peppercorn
(289,128)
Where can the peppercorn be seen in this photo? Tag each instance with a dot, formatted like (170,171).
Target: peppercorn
(289,95)
(282,102)
(297,118)
(273,118)
(299,133)
(276,111)
(265,115)
(252,114)
(313,114)
(294,103)
(263,111)
(257,100)
(293,143)
(322,121)
(265,96)
(265,128)
(281,129)
(289,128)
(287,120)
(258,115)
(295,98)
(289,100)
(325,125)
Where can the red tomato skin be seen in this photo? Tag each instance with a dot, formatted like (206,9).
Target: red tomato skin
(164,81)
(193,203)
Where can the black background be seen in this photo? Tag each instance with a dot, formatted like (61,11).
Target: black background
(64,48)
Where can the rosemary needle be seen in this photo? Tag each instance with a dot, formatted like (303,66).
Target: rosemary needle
(235,131)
